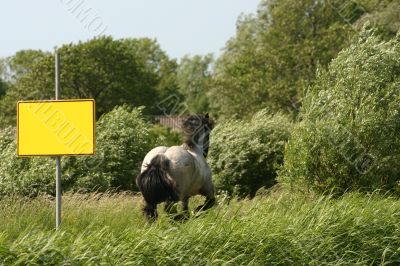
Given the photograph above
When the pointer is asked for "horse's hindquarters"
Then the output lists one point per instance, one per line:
(182, 170)
(150, 155)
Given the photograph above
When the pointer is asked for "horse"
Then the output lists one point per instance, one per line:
(172, 174)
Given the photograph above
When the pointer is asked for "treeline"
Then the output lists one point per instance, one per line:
(136, 72)
(305, 94)
(113, 72)
(268, 64)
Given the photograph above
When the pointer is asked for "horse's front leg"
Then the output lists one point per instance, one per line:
(184, 215)
(185, 205)
(171, 209)
(208, 203)
(208, 192)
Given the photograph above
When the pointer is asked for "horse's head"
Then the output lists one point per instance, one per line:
(196, 132)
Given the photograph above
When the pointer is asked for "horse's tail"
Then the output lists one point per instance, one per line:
(154, 183)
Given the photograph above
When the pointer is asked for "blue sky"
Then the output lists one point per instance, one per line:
(180, 26)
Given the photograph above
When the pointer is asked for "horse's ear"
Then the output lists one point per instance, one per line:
(207, 116)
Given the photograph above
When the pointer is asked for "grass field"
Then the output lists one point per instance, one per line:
(278, 228)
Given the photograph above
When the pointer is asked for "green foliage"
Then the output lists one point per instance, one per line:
(275, 54)
(194, 79)
(244, 155)
(14, 67)
(3, 88)
(281, 229)
(348, 134)
(113, 72)
(23, 176)
(165, 136)
(159, 67)
(383, 15)
(123, 139)
(23, 62)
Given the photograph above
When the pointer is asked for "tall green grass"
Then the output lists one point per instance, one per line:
(278, 228)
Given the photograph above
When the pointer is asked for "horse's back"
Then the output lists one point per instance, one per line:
(181, 162)
(179, 157)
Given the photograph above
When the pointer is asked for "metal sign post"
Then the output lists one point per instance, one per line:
(58, 158)
(56, 128)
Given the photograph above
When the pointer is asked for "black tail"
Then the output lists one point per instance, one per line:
(154, 184)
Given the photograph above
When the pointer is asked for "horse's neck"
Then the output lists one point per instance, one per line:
(198, 146)
(199, 161)
(193, 149)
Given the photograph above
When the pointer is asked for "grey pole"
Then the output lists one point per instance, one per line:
(58, 158)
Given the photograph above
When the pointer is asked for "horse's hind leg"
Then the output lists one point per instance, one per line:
(210, 202)
(150, 210)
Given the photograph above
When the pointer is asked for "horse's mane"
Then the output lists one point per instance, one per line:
(191, 127)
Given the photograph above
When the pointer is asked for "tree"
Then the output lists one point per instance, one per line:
(23, 62)
(194, 80)
(239, 75)
(347, 138)
(384, 15)
(159, 66)
(276, 52)
(113, 72)
(3, 88)
(3, 68)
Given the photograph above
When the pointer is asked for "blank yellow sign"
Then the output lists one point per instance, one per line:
(54, 128)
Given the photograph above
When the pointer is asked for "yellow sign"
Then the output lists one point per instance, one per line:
(53, 128)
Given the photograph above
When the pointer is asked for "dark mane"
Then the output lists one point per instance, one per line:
(192, 126)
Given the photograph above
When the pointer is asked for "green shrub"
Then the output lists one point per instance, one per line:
(244, 155)
(164, 136)
(23, 176)
(123, 140)
(348, 137)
